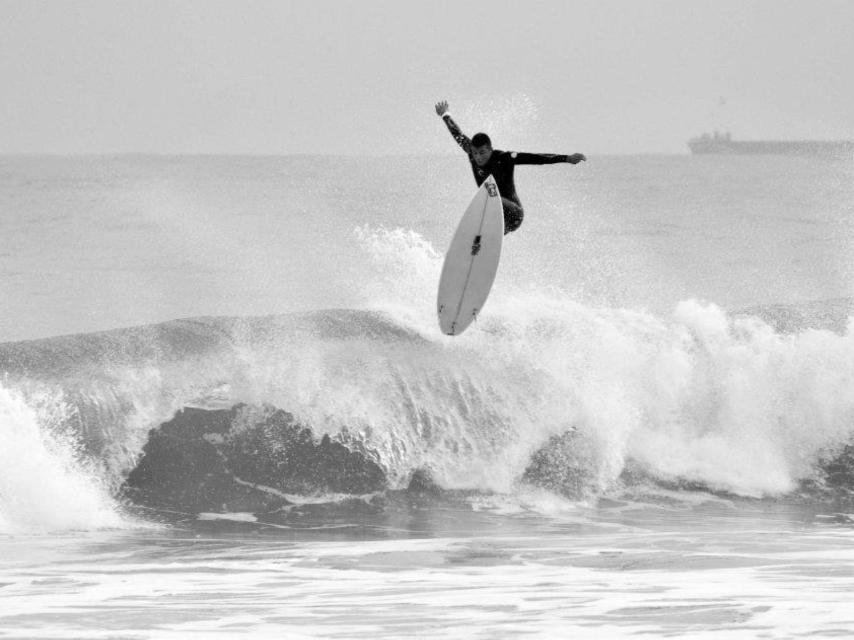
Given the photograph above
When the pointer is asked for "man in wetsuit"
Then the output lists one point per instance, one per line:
(486, 161)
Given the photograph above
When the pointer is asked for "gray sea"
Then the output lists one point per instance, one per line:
(226, 408)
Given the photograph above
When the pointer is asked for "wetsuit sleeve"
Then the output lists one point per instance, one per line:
(538, 158)
(461, 138)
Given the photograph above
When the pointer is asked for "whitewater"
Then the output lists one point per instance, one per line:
(226, 406)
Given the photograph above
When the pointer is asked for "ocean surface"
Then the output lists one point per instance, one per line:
(226, 408)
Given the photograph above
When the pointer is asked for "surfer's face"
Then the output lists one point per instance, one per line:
(481, 154)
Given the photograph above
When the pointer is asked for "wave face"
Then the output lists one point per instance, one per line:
(542, 389)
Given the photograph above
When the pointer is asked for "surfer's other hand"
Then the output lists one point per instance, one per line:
(575, 158)
(441, 108)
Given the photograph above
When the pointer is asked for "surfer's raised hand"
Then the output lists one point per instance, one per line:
(575, 158)
(441, 108)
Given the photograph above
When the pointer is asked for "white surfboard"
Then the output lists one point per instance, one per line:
(472, 260)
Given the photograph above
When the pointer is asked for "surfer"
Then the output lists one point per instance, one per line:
(486, 161)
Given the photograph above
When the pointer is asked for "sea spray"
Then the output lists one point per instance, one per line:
(405, 278)
(700, 395)
(46, 483)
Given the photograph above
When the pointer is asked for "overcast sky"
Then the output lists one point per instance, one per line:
(361, 77)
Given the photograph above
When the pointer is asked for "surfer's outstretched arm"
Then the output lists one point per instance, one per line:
(461, 138)
(547, 158)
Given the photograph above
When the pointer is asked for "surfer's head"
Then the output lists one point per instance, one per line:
(481, 148)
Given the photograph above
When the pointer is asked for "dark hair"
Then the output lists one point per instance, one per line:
(480, 139)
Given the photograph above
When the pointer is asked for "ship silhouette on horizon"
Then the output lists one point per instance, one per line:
(722, 143)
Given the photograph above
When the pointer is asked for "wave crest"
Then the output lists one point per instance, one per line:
(542, 389)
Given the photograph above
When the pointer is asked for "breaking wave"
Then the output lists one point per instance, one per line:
(214, 414)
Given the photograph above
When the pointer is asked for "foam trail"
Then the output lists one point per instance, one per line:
(44, 484)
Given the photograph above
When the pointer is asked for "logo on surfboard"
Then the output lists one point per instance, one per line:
(491, 189)
(475, 247)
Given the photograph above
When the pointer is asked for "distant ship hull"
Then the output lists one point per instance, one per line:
(821, 148)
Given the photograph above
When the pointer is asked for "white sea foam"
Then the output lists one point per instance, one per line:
(45, 483)
(699, 395)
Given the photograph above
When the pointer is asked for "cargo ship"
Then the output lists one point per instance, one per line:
(724, 144)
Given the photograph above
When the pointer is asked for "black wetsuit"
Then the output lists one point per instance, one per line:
(500, 166)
